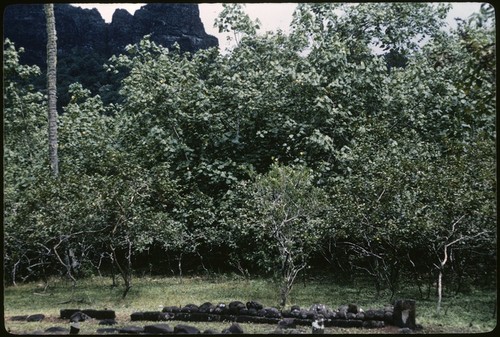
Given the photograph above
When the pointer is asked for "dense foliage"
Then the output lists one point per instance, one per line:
(289, 152)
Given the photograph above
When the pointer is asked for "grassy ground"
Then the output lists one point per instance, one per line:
(471, 313)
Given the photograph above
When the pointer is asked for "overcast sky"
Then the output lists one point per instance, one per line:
(272, 16)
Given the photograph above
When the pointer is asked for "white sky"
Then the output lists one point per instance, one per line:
(273, 16)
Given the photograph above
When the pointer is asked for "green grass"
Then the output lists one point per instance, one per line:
(471, 313)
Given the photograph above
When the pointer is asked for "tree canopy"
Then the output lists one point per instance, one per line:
(287, 153)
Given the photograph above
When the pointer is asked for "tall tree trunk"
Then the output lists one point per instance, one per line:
(51, 86)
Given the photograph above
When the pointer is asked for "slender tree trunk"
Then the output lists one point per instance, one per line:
(51, 86)
(440, 290)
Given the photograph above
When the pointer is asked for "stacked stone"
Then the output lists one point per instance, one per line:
(349, 315)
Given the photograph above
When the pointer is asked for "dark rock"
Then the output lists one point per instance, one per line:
(287, 323)
(373, 324)
(254, 305)
(158, 328)
(107, 330)
(318, 325)
(35, 318)
(404, 314)
(221, 309)
(379, 315)
(92, 313)
(200, 317)
(369, 314)
(262, 312)
(74, 328)
(235, 307)
(252, 312)
(172, 309)
(360, 315)
(107, 321)
(388, 317)
(210, 331)
(181, 328)
(66, 313)
(311, 315)
(190, 308)
(57, 330)
(206, 307)
(149, 316)
(342, 311)
(243, 311)
(183, 316)
(131, 329)
(405, 331)
(272, 312)
(100, 314)
(137, 316)
(354, 308)
(19, 318)
(235, 328)
(78, 317)
(320, 309)
(168, 23)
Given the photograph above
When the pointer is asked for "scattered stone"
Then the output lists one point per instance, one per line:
(181, 328)
(131, 329)
(235, 328)
(57, 330)
(74, 328)
(35, 318)
(19, 318)
(158, 328)
(210, 331)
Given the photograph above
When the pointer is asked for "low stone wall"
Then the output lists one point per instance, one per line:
(402, 314)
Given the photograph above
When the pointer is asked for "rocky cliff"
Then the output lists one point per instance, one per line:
(86, 31)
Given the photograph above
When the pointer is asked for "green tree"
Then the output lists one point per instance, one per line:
(284, 217)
